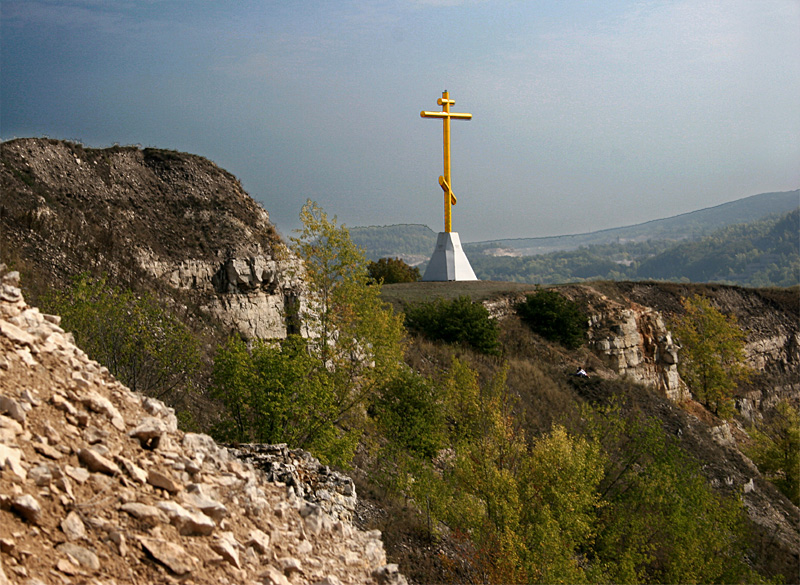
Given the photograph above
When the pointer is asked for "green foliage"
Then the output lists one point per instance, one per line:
(776, 449)
(554, 317)
(313, 393)
(280, 393)
(457, 321)
(661, 522)
(712, 354)
(409, 414)
(760, 253)
(619, 503)
(392, 270)
(142, 344)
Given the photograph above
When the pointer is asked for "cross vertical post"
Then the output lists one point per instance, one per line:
(445, 181)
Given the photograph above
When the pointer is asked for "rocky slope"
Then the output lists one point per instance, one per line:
(97, 484)
(152, 219)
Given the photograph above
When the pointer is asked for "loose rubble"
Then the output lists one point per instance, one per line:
(98, 485)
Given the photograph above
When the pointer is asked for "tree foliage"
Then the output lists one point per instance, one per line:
(554, 317)
(618, 503)
(312, 392)
(392, 270)
(712, 354)
(140, 342)
(776, 449)
(457, 321)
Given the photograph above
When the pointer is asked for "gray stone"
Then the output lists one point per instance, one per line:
(133, 470)
(169, 554)
(227, 547)
(84, 556)
(28, 507)
(11, 407)
(188, 523)
(72, 526)
(97, 463)
(259, 540)
(162, 480)
(144, 512)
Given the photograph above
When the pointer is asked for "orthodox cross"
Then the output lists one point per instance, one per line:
(444, 180)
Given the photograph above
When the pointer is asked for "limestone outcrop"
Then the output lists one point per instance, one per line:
(155, 220)
(98, 485)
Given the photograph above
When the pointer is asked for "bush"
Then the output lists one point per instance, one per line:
(555, 318)
(392, 270)
(142, 344)
(457, 321)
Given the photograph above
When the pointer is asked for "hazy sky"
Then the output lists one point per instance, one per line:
(586, 115)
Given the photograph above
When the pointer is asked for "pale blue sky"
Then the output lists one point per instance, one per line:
(586, 115)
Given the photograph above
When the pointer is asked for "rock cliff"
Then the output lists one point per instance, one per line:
(97, 484)
(152, 219)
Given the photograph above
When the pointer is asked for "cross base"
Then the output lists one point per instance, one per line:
(448, 261)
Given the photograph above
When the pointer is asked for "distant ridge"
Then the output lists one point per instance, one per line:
(415, 242)
(686, 226)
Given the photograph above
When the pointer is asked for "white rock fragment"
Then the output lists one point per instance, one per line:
(228, 548)
(28, 507)
(161, 480)
(144, 512)
(97, 463)
(72, 526)
(188, 523)
(169, 554)
(11, 458)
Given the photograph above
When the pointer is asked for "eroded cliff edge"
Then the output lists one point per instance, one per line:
(152, 219)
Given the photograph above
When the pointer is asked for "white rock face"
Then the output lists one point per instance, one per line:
(255, 295)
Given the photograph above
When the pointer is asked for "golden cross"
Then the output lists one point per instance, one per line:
(445, 181)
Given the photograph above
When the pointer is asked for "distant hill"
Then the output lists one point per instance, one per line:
(414, 243)
(758, 253)
(686, 226)
(411, 242)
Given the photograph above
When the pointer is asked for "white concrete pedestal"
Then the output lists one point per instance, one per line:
(449, 261)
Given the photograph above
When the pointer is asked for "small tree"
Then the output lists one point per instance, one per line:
(776, 449)
(146, 347)
(712, 354)
(313, 392)
(554, 317)
(392, 270)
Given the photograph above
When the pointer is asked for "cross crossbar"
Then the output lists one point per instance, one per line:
(445, 180)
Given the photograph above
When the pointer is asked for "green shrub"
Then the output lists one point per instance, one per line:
(555, 318)
(410, 414)
(140, 342)
(392, 270)
(458, 321)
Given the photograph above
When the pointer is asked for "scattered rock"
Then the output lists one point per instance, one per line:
(72, 526)
(83, 556)
(97, 463)
(169, 554)
(28, 507)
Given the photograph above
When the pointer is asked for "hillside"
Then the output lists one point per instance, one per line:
(686, 226)
(445, 452)
(97, 484)
(758, 253)
(412, 242)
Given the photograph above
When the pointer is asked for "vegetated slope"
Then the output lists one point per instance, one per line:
(624, 315)
(413, 241)
(759, 253)
(763, 253)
